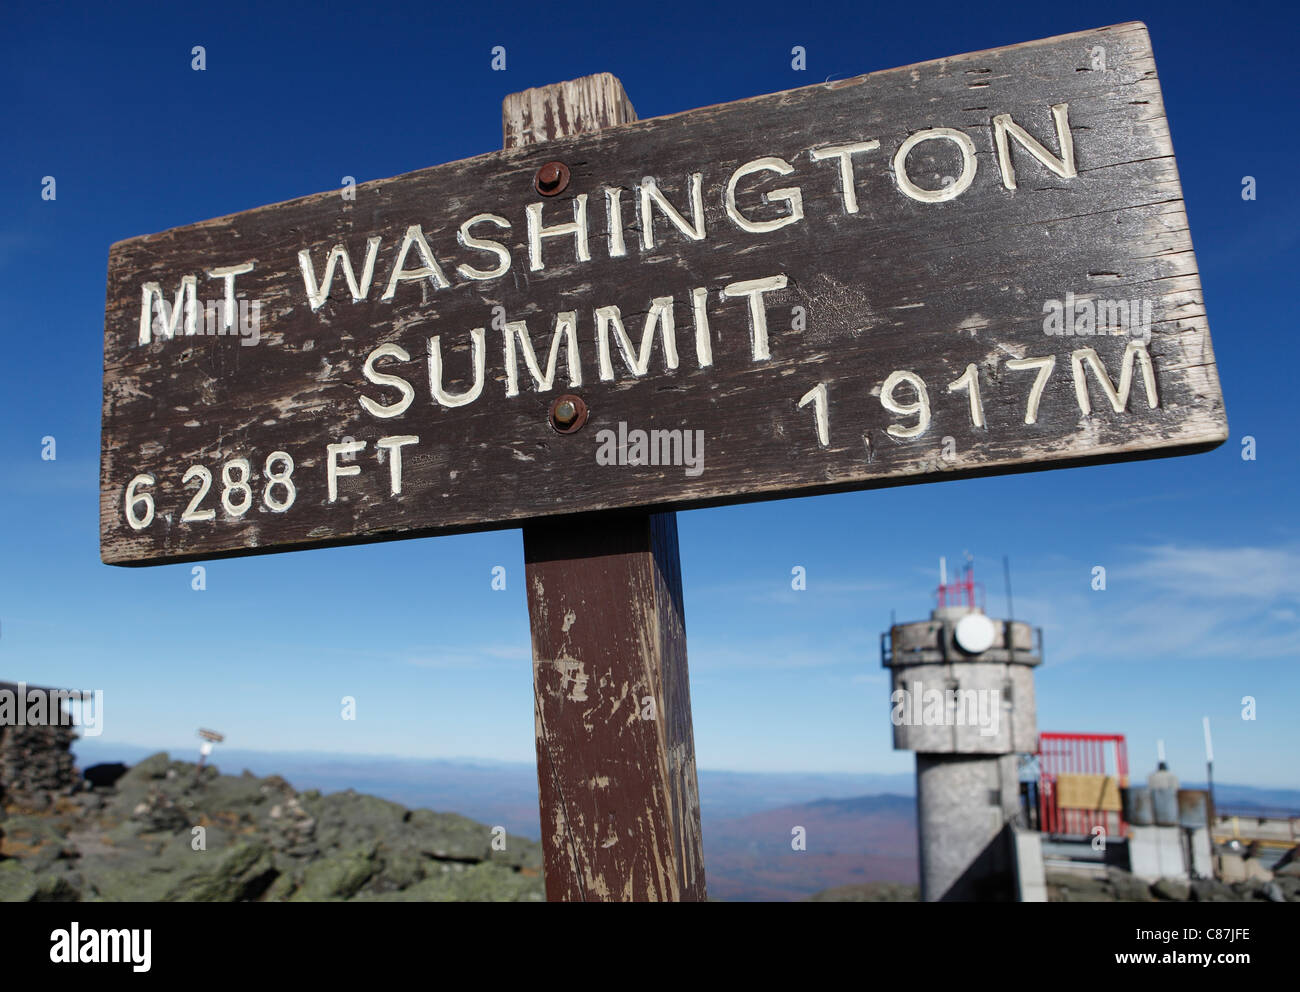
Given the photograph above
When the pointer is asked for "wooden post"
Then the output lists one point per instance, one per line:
(615, 749)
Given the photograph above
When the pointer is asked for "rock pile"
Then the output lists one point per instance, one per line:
(35, 761)
(170, 831)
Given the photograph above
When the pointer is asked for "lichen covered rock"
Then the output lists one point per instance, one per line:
(169, 831)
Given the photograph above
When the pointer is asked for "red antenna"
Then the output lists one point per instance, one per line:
(960, 592)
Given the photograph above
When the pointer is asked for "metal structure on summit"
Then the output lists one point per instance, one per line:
(1068, 760)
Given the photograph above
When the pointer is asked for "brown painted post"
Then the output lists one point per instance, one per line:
(615, 748)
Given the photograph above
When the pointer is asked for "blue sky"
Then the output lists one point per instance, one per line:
(1202, 604)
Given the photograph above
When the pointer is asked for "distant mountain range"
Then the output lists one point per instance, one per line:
(498, 792)
(856, 828)
(845, 842)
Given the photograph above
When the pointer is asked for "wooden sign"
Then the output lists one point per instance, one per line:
(969, 266)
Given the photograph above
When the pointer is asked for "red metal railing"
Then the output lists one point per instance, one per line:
(1079, 754)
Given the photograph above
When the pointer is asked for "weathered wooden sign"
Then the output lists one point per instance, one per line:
(974, 265)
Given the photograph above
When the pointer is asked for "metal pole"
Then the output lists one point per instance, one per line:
(1209, 759)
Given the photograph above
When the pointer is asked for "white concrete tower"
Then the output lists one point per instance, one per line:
(963, 700)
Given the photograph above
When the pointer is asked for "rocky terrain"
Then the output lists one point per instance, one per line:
(869, 892)
(1115, 886)
(1120, 886)
(169, 831)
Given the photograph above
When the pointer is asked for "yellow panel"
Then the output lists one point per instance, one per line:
(1096, 792)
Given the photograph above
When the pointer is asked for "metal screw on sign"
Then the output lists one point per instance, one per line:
(552, 179)
(568, 413)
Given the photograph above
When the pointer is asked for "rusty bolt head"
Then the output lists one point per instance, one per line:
(552, 179)
(568, 413)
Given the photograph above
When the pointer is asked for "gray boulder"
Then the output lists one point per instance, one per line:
(336, 877)
(1212, 890)
(18, 883)
(1175, 889)
(1128, 887)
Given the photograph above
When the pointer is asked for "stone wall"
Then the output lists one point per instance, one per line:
(35, 762)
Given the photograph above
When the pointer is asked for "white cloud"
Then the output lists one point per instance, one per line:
(1261, 574)
(1179, 603)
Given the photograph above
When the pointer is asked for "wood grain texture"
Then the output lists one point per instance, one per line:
(616, 775)
(615, 747)
(565, 110)
(900, 285)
